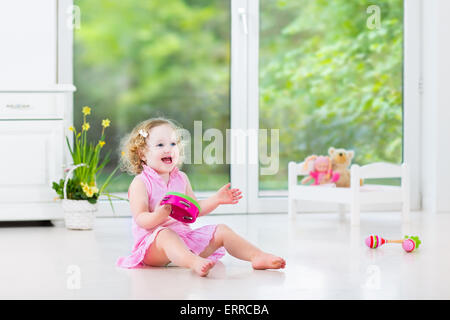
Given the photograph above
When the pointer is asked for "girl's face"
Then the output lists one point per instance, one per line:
(162, 152)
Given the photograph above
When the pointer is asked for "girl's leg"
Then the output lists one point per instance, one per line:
(240, 248)
(168, 247)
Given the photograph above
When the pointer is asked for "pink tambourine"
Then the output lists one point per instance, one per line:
(184, 208)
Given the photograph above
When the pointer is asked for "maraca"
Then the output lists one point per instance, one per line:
(409, 243)
(184, 208)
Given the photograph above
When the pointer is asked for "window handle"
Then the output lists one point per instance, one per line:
(243, 15)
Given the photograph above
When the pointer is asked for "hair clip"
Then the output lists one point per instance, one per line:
(143, 133)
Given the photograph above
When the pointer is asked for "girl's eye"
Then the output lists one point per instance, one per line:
(159, 145)
(173, 144)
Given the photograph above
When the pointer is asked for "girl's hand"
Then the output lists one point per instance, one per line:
(225, 195)
(164, 210)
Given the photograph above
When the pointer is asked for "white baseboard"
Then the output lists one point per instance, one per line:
(31, 211)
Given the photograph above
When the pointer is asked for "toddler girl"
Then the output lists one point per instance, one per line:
(153, 152)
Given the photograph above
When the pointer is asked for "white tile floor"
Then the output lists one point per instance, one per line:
(326, 259)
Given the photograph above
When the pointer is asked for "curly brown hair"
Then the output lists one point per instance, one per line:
(134, 144)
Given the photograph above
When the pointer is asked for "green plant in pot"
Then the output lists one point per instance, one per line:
(80, 192)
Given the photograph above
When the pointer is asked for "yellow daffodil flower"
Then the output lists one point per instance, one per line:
(71, 128)
(101, 143)
(85, 188)
(86, 110)
(85, 126)
(106, 123)
(89, 191)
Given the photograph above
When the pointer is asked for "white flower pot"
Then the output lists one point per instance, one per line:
(79, 214)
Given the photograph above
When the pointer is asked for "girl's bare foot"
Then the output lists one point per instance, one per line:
(267, 261)
(202, 266)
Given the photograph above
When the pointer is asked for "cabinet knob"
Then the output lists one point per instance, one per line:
(18, 106)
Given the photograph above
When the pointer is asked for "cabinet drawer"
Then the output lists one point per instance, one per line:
(31, 159)
(32, 105)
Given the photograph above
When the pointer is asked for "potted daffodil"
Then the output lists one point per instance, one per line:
(79, 191)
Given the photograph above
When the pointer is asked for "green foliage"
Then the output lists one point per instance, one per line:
(138, 59)
(325, 78)
(88, 162)
(74, 190)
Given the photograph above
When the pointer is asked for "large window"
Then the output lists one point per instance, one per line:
(330, 75)
(136, 59)
(321, 73)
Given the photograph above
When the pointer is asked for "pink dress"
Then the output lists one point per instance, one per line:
(319, 176)
(196, 239)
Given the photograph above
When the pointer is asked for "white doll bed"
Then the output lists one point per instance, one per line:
(355, 195)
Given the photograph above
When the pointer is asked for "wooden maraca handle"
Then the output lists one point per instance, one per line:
(395, 241)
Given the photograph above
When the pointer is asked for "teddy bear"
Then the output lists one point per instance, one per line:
(340, 163)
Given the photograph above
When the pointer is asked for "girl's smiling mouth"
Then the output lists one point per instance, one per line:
(167, 160)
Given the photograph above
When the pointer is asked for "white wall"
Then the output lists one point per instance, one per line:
(435, 180)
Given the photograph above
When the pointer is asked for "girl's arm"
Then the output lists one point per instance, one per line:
(207, 205)
(225, 195)
(139, 206)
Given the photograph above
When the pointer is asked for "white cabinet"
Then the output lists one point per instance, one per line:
(33, 126)
(35, 108)
(28, 42)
